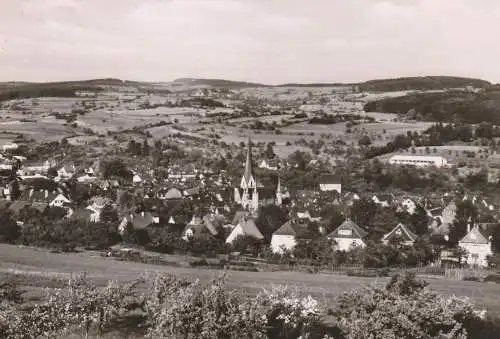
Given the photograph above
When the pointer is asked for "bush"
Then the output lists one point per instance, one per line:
(404, 309)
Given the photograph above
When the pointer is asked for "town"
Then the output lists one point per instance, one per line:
(384, 192)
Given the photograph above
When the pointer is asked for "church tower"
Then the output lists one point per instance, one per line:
(249, 197)
(279, 197)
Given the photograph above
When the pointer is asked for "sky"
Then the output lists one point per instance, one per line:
(266, 41)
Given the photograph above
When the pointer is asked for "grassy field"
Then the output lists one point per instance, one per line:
(40, 267)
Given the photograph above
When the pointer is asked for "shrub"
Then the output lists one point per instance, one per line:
(404, 309)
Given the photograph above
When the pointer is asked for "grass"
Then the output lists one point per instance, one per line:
(38, 268)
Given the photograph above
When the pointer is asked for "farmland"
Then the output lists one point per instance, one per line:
(40, 265)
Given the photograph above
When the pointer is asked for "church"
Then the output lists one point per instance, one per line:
(251, 193)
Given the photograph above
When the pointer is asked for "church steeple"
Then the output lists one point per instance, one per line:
(247, 175)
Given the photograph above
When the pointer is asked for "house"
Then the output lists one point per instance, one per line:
(136, 179)
(350, 197)
(82, 214)
(138, 221)
(418, 160)
(59, 201)
(65, 172)
(198, 226)
(270, 164)
(171, 194)
(347, 236)
(246, 227)
(87, 179)
(306, 215)
(408, 205)
(288, 235)
(401, 234)
(330, 182)
(384, 200)
(477, 243)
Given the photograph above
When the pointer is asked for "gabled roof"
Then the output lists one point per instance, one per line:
(404, 229)
(479, 234)
(330, 179)
(295, 229)
(249, 228)
(356, 231)
(238, 216)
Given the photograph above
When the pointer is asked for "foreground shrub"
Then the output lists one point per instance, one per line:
(404, 309)
(81, 306)
(178, 309)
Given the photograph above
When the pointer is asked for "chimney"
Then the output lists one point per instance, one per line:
(46, 193)
(142, 214)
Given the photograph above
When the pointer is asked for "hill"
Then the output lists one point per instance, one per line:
(218, 83)
(421, 83)
(451, 106)
(319, 84)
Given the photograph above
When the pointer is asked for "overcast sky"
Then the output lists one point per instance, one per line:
(269, 41)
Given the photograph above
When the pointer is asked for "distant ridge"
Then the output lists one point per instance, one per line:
(421, 83)
(320, 84)
(218, 83)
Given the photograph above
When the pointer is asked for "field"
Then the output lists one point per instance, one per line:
(39, 266)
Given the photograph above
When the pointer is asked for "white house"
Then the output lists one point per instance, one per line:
(402, 234)
(270, 164)
(347, 236)
(384, 200)
(65, 172)
(10, 146)
(59, 201)
(136, 179)
(477, 243)
(287, 236)
(330, 182)
(245, 227)
(418, 160)
(409, 205)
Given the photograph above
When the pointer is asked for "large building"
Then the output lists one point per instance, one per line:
(418, 160)
(251, 193)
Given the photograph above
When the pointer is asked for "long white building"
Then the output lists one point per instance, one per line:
(418, 160)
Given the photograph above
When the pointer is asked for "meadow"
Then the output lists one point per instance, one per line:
(38, 268)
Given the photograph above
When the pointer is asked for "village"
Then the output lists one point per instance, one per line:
(241, 205)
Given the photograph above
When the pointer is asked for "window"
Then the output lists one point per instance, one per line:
(345, 232)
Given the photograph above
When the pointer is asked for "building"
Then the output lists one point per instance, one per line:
(347, 236)
(384, 200)
(330, 182)
(288, 236)
(251, 193)
(400, 234)
(418, 160)
(477, 243)
(245, 227)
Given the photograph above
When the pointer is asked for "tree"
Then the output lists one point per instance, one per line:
(269, 151)
(15, 191)
(52, 172)
(365, 141)
(270, 218)
(116, 168)
(109, 214)
(9, 231)
(362, 212)
(383, 222)
(466, 213)
(419, 220)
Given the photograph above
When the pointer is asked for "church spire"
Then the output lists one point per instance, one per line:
(248, 165)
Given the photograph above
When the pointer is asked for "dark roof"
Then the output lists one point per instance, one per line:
(296, 229)
(140, 221)
(411, 236)
(238, 216)
(356, 231)
(330, 179)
